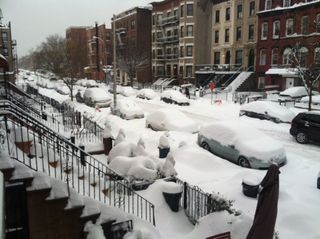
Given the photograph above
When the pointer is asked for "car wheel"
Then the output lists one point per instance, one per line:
(206, 146)
(302, 137)
(243, 162)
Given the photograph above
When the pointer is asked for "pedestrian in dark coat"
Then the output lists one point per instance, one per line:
(187, 93)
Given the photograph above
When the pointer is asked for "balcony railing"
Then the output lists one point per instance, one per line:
(217, 67)
(168, 39)
(168, 20)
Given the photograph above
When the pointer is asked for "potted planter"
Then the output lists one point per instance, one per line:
(172, 193)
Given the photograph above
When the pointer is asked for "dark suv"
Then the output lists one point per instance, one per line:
(305, 127)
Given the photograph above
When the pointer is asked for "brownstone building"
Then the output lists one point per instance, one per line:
(78, 46)
(99, 42)
(284, 24)
(8, 49)
(133, 40)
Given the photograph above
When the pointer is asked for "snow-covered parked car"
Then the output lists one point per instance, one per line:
(63, 90)
(294, 93)
(148, 94)
(267, 110)
(173, 96)
(96, 97)
(126, 91)
(241, 144)
(304, 102)
(128, 109)
(166, 119)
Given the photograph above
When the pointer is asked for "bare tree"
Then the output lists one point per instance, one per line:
(310, 75)
(131, 59)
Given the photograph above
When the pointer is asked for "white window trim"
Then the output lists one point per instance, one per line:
(287, 20)
(273, 30)
(262, 31)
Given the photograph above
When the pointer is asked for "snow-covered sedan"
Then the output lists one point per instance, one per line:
(170, 119)
(128, 109)
(241, 144)
(267, 110)
(126, 91)
(173, 96)
(96, 97)
(148, 94)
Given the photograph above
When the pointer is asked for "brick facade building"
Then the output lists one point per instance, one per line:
(77, 44)
(133, 37)
(285, 26)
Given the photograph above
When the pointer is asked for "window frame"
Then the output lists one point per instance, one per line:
(227, 35)
(189, 10)
(275, 56)
(217, 16)
(239, 33)
(189, 49)
(239, 11)
(187, 28)
(216, 36)
(227, 15)
(251, 32)
(304, 25)
(268, 5)
(274, 35)
(262, 57)
(252, 10)
(288, 21)
(264, 31)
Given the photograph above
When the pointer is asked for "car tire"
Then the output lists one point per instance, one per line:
(206, 146)
(243, 162)
(302, 137)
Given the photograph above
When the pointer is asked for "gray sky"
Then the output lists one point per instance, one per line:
(33, 20)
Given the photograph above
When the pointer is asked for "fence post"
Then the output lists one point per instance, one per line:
(153, 217)
(95, 128)
(82, 156)
(185, 188)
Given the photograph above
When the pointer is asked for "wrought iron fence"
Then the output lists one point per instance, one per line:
(42, 149)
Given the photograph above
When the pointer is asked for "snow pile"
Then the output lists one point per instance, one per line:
(21, 171)
(167, 169)
(97, 95)
(53, 94)
(129, 109)
(94, 231)
(40, 181)
(221, 222)
(135, 168)
(126, 91)
(59, 189)
(315, 99)
(147, 94)
(164, 141)
(125, 148)
(171, 187)
(175, 96)
(121, 137)
(75, 200)
(5, 160)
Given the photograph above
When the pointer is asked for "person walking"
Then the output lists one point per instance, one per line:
(187, 93)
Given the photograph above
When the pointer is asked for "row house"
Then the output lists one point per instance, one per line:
(234, 27)
(133, 45)
(8, 49)
(90, 49)
(99, 44)
(76, 38)
(286, 26)
(180, 38)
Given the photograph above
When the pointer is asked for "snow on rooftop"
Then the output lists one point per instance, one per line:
(292, 7)
(282, 71)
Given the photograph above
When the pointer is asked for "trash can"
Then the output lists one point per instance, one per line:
(173, 200)
(163, 152)
(249, 189)
(107, 145)
(172, 193)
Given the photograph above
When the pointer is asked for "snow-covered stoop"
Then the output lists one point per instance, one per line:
(56, 212)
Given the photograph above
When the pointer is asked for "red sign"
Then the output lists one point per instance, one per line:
(212, 85)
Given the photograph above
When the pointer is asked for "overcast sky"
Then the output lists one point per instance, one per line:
(33, 20)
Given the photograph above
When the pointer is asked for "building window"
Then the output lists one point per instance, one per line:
(287, 56)
(228, 14)
(153, 19)
(133, 24)
(189, 50)
(263, 57)
(189, 30)
(5, 51)
(276, 29)
(274, 56)
(286, 3)
(159, 52)
(226, 35)
(317, 57)
(153, 54)
(268, 4)
(175, 14)
(264, 31)
(216, 59)
(217, 16)
(153, 37)
(175, 32)
(181, 10)
(239, 11)
(318, 23)
(189, 9)
(216, 37)
(181, 31)
(188, 71)
(289, 26)
(239, 57)
(251, 32)
(4, 36)
(181, 70)
(261, 82)
(304, 25)
(181, 51)
(252, 8)
(303, 54)
(238, 34)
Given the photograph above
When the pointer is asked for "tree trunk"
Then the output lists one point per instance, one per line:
(310, 98)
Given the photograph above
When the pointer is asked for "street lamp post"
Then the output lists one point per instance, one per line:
(114, 67)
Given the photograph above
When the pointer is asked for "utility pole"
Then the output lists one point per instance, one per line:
(114, 67)
(97, 50)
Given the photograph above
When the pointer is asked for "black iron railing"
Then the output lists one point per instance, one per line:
(42, 149)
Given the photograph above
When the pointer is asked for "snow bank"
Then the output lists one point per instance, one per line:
(297, 91)
(164, 141)
(220, 222)
(59, 189)
(94, 231)
(40, 181)
(124, 148)
(74, 200)
(21, 171)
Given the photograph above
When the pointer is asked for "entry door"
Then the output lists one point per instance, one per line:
(289, 82)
